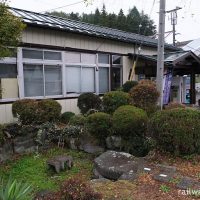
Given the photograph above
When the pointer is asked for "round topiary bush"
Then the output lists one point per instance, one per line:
(50, 110)
(99, 124)
(176, 130)
(126, 87)
(66, 116)
(115, 99)
(77, 120)
(131, 124)
(87, 101)
(26, 110)
(145, 96)
(30, 111)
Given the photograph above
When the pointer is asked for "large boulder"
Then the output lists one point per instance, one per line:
(118, 165)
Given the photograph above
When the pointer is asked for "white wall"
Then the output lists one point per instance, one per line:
(64, 39)
(7, 117)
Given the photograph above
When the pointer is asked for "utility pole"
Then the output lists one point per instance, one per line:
(174, 17)
(161, 45)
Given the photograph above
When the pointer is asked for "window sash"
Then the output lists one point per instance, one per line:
(38, 83)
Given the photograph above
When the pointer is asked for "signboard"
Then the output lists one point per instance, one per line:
(167, 86)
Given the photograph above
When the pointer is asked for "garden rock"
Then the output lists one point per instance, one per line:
(185, 183)
(117, 165)
(92, 148)
(25, 144)
(165, 174)
(6, 151)
(65, 161)
(113, 142)
(90, 145)
(59, 163)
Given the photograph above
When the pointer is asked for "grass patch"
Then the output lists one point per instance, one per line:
(33, 169)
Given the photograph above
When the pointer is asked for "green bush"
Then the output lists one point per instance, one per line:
(145, 96)
(50, 110)
(177, 130)
(113, 100)
(66, 116)
(99, 124)
(126, 87)
(77, 120)
(26, 110)
(131, 124)
(87, 101)
(31, 111)
(20, 105)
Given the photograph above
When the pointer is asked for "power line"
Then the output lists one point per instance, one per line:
(63, 6)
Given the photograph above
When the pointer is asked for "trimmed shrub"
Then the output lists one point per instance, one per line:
(31, 111)
(177, 130)
(77, 189)
(50, 110)
(20, 105)
(131, 124)
(26, 110)
(87, 101)
(145, 96)
(173, 105)
(113, 100)
(77, 120)
(126, 87)
(66, 116)
(99, 124)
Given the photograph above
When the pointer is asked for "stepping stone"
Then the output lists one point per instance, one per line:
(163, 177)
(186, 183)
(165, 174)
(167, 169)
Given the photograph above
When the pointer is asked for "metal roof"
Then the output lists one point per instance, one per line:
(49, 21)
(171, 58)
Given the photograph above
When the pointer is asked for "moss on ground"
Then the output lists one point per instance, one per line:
(32, 169)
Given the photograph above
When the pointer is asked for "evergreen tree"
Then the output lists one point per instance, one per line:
(134, 21)
(74, 16)
(121, 20)
(112, 20)
(104, 17)
(97, 16)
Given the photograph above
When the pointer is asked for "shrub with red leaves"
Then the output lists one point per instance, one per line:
(145, 96)
(77, 189)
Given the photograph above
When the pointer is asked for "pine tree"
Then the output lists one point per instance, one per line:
(104, 16)
(97, 16)
(133, 20)
(121, 20)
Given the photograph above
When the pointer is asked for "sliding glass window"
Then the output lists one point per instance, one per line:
(42, 80)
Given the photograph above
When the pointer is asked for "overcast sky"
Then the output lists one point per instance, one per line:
(188, 27)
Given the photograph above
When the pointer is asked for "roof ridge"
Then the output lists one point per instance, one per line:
(96, 25)
(52, 21)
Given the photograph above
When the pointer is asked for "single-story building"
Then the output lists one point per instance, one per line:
(60, 59)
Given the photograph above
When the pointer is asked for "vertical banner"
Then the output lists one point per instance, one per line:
(167, 86)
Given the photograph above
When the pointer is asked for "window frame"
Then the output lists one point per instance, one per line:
(11, 61)
(20, 62)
